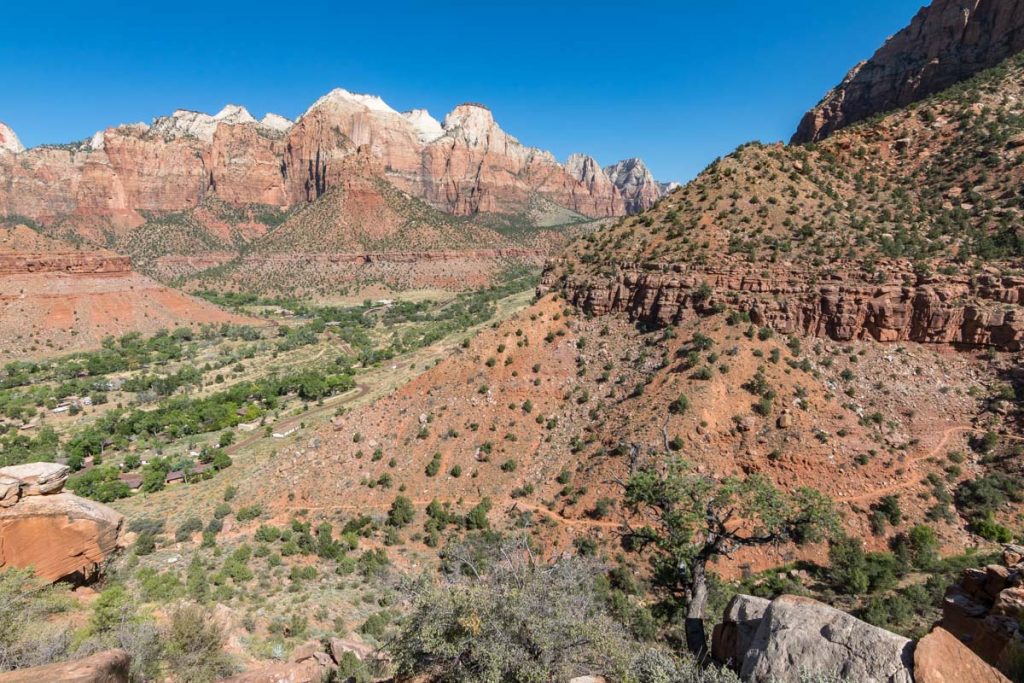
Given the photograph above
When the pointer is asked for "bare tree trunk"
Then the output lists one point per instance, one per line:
(696, 639)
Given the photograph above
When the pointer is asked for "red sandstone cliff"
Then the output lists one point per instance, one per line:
(901, 306)
(945, 43)
(466, 166)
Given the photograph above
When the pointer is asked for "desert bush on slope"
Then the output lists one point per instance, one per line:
(507, 616)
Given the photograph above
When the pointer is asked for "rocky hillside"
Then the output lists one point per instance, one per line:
(948, 41)
(59, 297)
(906, 228)
(467, 165)
(362, 229)
(543, 415)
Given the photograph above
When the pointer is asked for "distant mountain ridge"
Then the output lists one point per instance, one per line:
(464, 166)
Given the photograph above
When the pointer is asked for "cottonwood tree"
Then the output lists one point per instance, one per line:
(690, 519)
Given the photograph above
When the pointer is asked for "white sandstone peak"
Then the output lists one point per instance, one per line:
(234, 114)
(276, 122)
(200, 125)
(629, 170)
(9, 142)
(472, 122)
(339, 97)
(97, 140)
(427, 128)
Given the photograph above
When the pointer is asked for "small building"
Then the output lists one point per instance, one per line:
(175, 477)
(134, 481)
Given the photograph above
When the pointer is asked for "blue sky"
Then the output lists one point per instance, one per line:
(676, 83)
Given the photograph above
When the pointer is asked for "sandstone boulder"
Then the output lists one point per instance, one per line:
(109, 666)
(730, 640)
(799, 635)
(37, 478)
(60, 535)
(940, 658)
(10, 491)
(985, 610)
(312, 650)
(1013, 554)
(355, 645)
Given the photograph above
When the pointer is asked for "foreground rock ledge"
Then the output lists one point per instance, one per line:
(941, 658)
(798, 635)
(109, 666)
(58, 534)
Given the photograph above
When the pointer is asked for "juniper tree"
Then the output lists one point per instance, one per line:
(690, 519)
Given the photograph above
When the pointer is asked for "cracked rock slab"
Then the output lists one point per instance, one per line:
(37, 478)
(803, 636)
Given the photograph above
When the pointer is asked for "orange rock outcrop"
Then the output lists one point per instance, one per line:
(58, 534)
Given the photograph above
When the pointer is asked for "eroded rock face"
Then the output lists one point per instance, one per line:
(798, 635)
(596, 183)
(985, 610)
(59, 535)
(109, 666)
(70, 262)
(945, 43)
(940, 658)
(636, 183)
(731, 639)
(467, 165)
(9, 142)
(899, 306)
(37, 478)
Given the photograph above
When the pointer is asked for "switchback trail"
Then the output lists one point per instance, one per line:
(911, 477)
(540, 509)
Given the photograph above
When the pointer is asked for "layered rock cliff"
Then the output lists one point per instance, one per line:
(945, 43)
(985, 610)
(901, 307)
(73, 298)
(68, 262)
(466, 166)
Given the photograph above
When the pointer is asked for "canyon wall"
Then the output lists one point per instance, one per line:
(902, 306)
(946, 42)
(465, 166)
(79, 263)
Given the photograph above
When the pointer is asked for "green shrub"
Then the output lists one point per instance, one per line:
(249, 513)
(680, 405)
(401, 513)
(194, 646)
